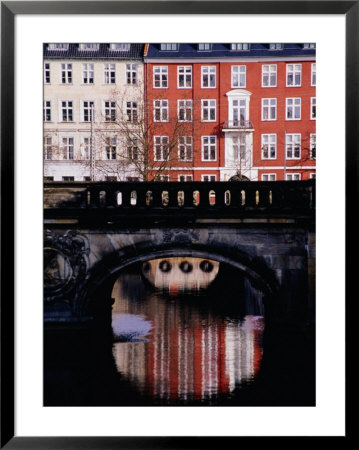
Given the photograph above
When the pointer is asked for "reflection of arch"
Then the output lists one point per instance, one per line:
(104, 274)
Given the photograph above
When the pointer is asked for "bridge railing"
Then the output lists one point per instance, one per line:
(165, 196)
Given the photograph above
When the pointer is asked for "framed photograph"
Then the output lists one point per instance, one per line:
(168, 229)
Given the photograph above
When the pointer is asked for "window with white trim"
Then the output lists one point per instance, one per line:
(275, 46)
(293, 108)
(111, 148)
(163, 178)
(170, 47)
(314, 75)
(292, 176)
(48, 147)
(68, 178)
(208, 76)
(185, 148)
(161, 148)
(269, 75)
(86, 148)
(68, 147)
(269, 177)
(110, 111)
(47, 77)
(208, 177)
(160, 110)
(132, 150)
(47, 111)
(58, 46)
(239, 76)
(184, 77)
(204, 47)
(269, 109)
(88, 46)
(120, 47)
(185, 178)
(88, 111)
(209, 148)
(131, 111)
(87, 73)
(240, 47)
(184, 110)
(292, 146)
(66, 73)
(67, 111)
(131, 73)
(160, 77)
(110, 73)
(294, 75)
(312, 176)
(269, 146)
(313, 108)
(209, 108)
(309, 45)
(239, 148)
(313, 146)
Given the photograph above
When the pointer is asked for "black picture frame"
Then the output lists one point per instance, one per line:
(9, 10)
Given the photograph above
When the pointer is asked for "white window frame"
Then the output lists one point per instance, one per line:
(88, 73)
(313, 76)
(162, 142)
(239, 76)
(68, 148)
(188, 178)
(160, 76)
(184, 72)
(161, 110)
(87, 46)
(313, 108)
(204, 176)
(87, 109)
(48, 147)
(110, 73)
(47, 111)
(241, 47)
(207, 72)
(66, 73)
(185, 147)
(132, 111)
(170, 47)
(185, 110)
(204, 47)
(110, 107)
(239, 147)
(47, 73)
(58, 46)
(292, 103)
(293, 70)
(132, 150)
(270, 71)
(269, 107)
(85, 148)
(121, 47)
(308, 46)
(276, 46)
(268, 175)
(66, 109)
(292, 140)
(291, 176)
(131, 73)
(207, 143)
(313, 144)
(110, 148)
(312, 175)
(208, 106)
(268, 146)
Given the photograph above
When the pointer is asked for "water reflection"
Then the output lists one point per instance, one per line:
(183, 348)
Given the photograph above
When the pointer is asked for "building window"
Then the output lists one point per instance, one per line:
(170, 47)
(292, 176)
(163, 178)
(309, 45)
(269, 75)
(48, 147)
(131, 111)
(312, 175)
(160, 77)
(313, 146)
(87, 178)
(68, 147)
(47, 111)
(110, 178)
(293, 108)
(185, 148)
(292, 146)
(67, 111)
(275, 46)
(120, 47)
(208, 177)
(131, 73)
(313, 108)
(47, 179)
(239, 148)
(66, 73)
(184, 74)
(314, 75)
(238, 76)
(47, 78)
(86, 148)
(240, 47)
(269, 109)
(87, 111)
(68, 178)
(185, 178)
(111, 147)
(110, 73)
(87, 46)
(88, 73)
(269, 177)
(209, 148)
(208, 76)
(204, 47)
(160, 110)
(185, 110)
(57, 46)
(209, 108)
(294, 75)
(110, 111)
(161, 148)
(269, 146)
(132, 150)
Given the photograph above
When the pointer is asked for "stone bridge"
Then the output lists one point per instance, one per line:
(94, 230)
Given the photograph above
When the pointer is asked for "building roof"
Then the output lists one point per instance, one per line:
(224, 51)
(104, 52)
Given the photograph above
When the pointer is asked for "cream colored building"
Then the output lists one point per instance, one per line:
(92, 93)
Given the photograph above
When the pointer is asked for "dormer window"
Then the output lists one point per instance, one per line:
(120, 47)
(309, 46)
(204, 47)
(58, 46)
(88, 46)
(240, 47)
(169, 47)
(275, 46)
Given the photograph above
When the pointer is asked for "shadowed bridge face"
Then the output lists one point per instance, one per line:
(94, 230)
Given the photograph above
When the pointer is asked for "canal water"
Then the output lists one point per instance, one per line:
(183, 332)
